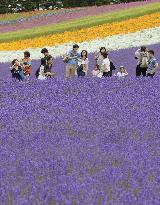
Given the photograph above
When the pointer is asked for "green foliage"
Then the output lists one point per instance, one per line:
(28, 5)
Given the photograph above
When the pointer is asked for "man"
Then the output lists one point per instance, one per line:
(71, 59)
(45, 52)
(142, 61)
(152, 65)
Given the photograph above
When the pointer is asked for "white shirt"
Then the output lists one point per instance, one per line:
(121, 75)
(41, 73)
(83, 62)
(105, 65)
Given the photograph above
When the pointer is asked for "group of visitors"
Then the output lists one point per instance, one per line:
(77, 64)
(22, 69)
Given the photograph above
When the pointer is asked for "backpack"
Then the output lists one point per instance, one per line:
(112, 66)
(80, 68)
(37, 72)
(144, 60)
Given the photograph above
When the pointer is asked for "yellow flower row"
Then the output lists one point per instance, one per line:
(86, 34)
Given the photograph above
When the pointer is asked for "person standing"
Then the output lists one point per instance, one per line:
(27, 63)
(98, 56)
(105, 67)
(152, 64)
(142, 61)
(45, 52)
(71, 60)
(83, 64)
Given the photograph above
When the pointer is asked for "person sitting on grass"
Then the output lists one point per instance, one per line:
(152, 64)
(122, 72)
(17, 70)
(27, 64)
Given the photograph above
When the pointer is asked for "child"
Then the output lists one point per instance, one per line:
(96, 72)
(122, 72)
(17, 70)
(27, 64)
(41, 73)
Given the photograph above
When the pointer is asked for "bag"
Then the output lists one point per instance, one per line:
(37, 72)
(65, 60)
(80, 68)
(112, 66)
(144, 61)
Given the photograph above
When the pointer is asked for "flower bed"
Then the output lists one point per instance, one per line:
(83, 141)
(78, 143)
(29, 20)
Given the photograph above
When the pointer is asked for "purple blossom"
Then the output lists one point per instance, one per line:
(82, 141)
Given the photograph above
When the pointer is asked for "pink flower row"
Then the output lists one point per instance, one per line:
(71, 15)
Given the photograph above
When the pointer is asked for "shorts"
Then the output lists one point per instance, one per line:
(70, 70)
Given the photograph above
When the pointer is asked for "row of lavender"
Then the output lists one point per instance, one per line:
(91, 142)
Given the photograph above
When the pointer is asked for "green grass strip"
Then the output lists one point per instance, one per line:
(84, 22)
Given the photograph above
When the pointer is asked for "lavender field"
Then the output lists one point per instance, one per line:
(84, 141)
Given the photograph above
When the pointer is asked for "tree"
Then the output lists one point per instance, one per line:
(27, 5)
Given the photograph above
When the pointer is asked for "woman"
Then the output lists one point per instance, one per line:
(27, 62)
(99, 57)
(49, 64)
(45, 70)
(83, 64)
(105, 67)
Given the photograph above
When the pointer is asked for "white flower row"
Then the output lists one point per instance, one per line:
(116, 42)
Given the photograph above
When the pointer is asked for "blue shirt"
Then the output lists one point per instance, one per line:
(152, 64)
(77, 55)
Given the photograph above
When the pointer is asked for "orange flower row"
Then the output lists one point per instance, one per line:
(87, 34)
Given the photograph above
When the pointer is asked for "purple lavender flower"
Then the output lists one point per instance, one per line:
(82, 141)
